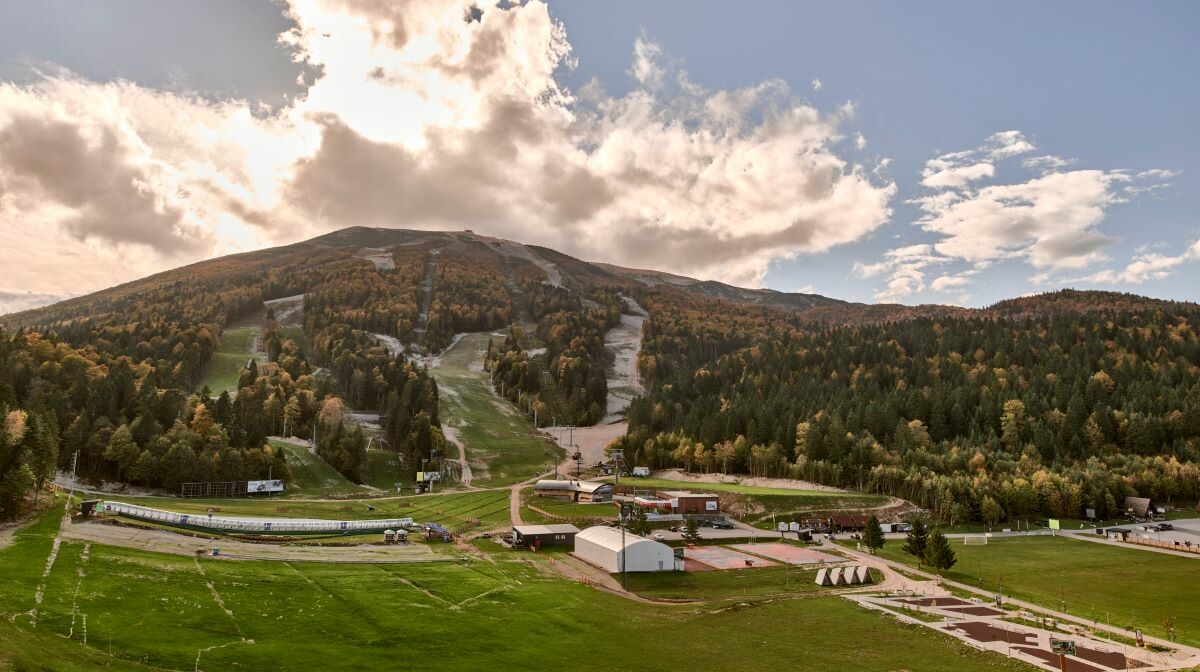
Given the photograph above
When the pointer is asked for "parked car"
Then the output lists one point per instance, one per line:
(659, 536)
(1164, 527)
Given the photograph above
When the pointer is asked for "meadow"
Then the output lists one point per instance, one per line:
(111, 608)
(221, 375)
(1125, 587)
(501, 444)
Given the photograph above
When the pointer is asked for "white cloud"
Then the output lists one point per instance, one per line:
(1147, 266)
(1051, 220)
(1046, 163)
(816, 84)
(946, 283)
(957, 176)
(425, 116)
(905, 269)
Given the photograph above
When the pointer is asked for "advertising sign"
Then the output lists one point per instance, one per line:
(1054, 524)
(275, 485)
(710, 506)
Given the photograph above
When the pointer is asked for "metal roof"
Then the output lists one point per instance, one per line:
(571, 486)
(561, 528)
(686, 493)
(610, 537)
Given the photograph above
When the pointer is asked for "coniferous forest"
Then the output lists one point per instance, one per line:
(1036, 407)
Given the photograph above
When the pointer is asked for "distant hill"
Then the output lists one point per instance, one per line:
(573, 274)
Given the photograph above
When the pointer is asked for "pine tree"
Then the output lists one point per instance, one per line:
(873, 535)
(938, 553)
(691, 532)
(638, 523)
(917, 540)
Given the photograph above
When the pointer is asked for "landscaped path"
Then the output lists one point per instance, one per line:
(1187, 656)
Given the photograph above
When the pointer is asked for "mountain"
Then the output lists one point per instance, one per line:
(556, 268)
(1038, 405)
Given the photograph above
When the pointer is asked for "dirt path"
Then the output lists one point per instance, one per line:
(464, 467)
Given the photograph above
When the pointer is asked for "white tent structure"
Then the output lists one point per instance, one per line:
(602, 547)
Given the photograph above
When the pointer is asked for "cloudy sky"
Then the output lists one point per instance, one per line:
(940, 152)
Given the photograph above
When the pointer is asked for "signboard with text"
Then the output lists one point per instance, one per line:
(274, 485)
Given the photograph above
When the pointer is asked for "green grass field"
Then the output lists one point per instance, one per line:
(1125, 587)
(110, 608)
(502, 446)
(563, 508)
(385, 470)
(723, 584)
(312, 477)
(222, 372)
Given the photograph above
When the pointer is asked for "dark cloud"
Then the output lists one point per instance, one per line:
(110, 197)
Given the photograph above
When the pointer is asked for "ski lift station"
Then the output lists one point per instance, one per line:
(604, 547)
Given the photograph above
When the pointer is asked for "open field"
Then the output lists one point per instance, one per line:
(723, 584)
(103, 607)
(311, 476)
(222, 372)
(385, 470)
(502, 446)
(1125, 587)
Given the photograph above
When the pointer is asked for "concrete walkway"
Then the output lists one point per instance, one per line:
(1181, 657)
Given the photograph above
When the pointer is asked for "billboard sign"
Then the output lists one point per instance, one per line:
(1055, 524)
(710, 505)
(275, 485)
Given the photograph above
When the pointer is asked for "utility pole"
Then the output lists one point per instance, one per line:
(624, 549)
(618, 456)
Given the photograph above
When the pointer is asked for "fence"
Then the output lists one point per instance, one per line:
(224, 524)
(1180, 546)
(578, 521)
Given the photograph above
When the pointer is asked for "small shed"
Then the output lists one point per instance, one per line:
(685, 502)
(538, 536)
(848, 523)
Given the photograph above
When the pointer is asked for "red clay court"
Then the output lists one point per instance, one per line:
(723, 558)
(793, 555)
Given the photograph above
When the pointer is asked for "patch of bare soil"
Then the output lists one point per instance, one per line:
(755, 481)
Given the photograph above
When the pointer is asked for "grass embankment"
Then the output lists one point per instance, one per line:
(502, 445)
(312, 476)
(1125, 587)
(115, 608)
(222, 372)
(581, 512)
(762, 506)
(451, 509)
